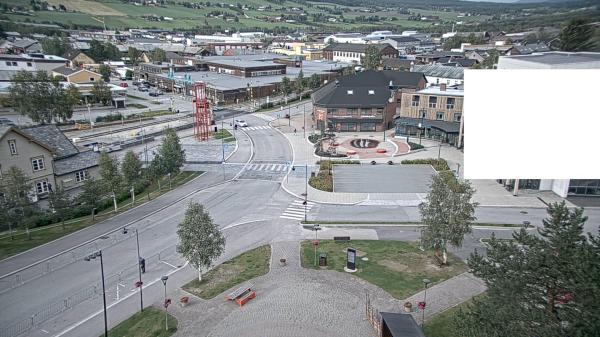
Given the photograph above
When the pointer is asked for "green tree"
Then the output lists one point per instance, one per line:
(101, 92)
(60, 203)
(133, 54)
(539, 284)
(300, 84)
(42, 98)
(372, 58)
(200, 240)
(314, 81)
(109, 171)
(92, 194)
(447, 213)
(104, 51)
(56, 46)
(286, 86)
(170, 156)
(19, 208)
(131, 168)
(104, 70)
(128, 74)
(576, 35)
(492, 59)
(159, 55)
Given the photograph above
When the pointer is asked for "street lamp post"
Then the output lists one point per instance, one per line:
(164, 281)
(316, 228)
(426, 283)
(139, 259)
(422, 125)
(88, 258)
(304, 126)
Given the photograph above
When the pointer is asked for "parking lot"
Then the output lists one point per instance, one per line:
(382, 178)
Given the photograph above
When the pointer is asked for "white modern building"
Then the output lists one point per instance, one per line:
(30, 62)
(345, 38)
(551, 60)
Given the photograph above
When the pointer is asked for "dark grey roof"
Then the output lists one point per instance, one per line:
(54, 138)
(78, 162)
(450, 61)
(532, 48)
(3, 130)
(405, 39)
(65, 70)
(401, 325)
(355, 47)
(448, 127)
(437, 70)
(443, 53)
(335, 94)
(396, 63)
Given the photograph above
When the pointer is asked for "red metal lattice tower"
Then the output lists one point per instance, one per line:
(201, 112)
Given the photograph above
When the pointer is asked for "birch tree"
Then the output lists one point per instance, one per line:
(200, 240)
(447, 213)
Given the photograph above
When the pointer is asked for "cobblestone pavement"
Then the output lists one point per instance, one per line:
(291, 301)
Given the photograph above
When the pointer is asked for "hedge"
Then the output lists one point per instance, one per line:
(438, 164)
(415, 146)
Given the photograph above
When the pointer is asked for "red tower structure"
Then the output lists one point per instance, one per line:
(201, 112)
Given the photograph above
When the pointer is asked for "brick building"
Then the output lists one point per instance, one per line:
(365, 101)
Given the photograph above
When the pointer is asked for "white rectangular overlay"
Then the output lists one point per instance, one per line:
(532, 124)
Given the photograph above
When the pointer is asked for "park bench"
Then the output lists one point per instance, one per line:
(341, 238)
(242, 294)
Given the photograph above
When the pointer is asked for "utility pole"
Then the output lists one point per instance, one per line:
(304, 127)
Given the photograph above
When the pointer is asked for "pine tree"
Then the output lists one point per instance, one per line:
(538, 285)
(200, 240)
(447, 213)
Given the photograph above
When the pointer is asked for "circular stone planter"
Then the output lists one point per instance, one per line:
(381, 150)
(362, 143)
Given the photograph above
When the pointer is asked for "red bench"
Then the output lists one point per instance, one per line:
(241, 295)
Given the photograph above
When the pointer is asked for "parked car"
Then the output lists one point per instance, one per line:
(142, 88)
(241, 123)
(124, 85)
(153, 93)
(216, 108)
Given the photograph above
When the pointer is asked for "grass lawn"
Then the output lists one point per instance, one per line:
(441, 324)
(149, 323)
(137, 97)
(157, 113)
(45, 234)
(241, 268)
(225, 135)
(397, 267)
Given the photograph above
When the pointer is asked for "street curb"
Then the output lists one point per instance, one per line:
(289, 171)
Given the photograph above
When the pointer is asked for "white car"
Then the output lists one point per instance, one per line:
(241, 123)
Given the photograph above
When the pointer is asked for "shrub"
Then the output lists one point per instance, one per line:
(109, 118)
(438, 165)
(415, 146)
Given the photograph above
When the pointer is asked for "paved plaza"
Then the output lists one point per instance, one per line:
(382, 178)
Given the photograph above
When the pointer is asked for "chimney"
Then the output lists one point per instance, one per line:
(443, 87)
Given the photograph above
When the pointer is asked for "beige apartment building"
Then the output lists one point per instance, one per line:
(47, 157)
(434, 112)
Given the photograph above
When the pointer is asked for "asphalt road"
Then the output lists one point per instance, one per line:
(252, 197)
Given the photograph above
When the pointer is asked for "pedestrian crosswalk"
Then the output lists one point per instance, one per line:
(265, 117)
(260, 127)
(267, 167)
(296, 210)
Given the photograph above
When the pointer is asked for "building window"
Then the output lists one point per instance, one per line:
(432, 102)
(352, 111)
(29, 64)
(41, 187)
(439, 116)
(450, 103)
(81, 176)
(8, 63)
(457, 117)
(415, 100)
(380, 111)
(92, 79)
(584, 187)
(37, 163)
(371, 92)
(350, 92)
(331, 111)
(12, 144)
(365, 111)
(367, 127)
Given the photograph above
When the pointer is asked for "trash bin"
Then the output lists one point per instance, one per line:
(322, 260)
(312, 174)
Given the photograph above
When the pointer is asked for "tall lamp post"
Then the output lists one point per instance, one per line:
(88, 258)
(316, 228)
(426, 282)
(139, 259)
(422, 125)
(164, 281)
